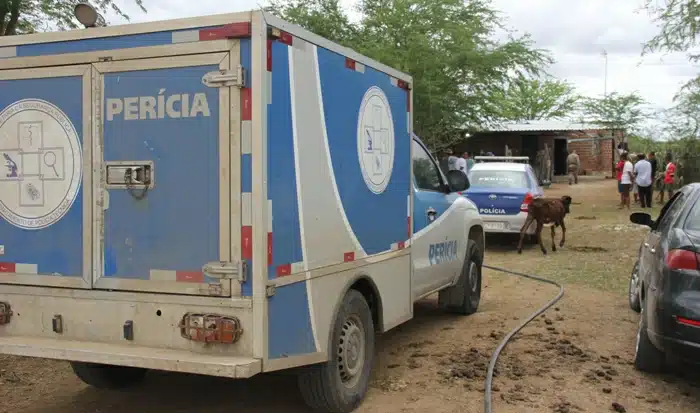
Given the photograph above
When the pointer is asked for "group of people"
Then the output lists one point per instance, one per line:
(639, 174)
(451, 162)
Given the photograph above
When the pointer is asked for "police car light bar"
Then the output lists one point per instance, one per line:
(502, 159)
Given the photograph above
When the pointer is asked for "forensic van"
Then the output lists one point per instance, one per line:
(225, 195)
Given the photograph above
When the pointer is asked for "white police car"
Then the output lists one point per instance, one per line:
(502, 192)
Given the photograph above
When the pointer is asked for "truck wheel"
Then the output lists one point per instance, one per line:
(647, 357)
(634, 292)
(104, 376)
(340, 384)
(464, 297)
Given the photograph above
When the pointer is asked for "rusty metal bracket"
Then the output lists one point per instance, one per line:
(5, 313)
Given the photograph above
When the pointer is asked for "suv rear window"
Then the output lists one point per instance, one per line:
(498, 179)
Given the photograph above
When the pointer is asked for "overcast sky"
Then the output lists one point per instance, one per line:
(576, 31)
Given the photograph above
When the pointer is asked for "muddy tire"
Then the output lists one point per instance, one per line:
(103, 376)
(647, 357)
(464, 297)
(340, 384)
(634, 291)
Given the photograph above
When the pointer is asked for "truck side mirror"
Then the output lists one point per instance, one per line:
(457, 181)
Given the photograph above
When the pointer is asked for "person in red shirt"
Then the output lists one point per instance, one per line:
(669, 178)
(618, 168)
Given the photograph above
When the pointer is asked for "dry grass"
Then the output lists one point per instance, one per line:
(601, 242)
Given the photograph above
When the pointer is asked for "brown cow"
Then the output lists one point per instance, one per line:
(546, 211)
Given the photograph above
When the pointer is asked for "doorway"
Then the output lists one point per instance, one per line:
(529, 146)
(560, 154)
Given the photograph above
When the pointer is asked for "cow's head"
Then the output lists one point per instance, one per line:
(566, 200)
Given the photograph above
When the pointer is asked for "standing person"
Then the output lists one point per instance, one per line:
(626, 180)
(644, 180)
(618, 168)
(669, 177)
(573, 164)
(448, 162)
(462, 163)
(633, 158)
(470, 161)
(654, 168)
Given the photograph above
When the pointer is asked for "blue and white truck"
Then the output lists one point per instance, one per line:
(225, 195)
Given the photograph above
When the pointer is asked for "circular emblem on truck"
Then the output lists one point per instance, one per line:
(41, 161)
(375, 140)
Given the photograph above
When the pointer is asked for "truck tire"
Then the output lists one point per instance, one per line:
(464, 297)
(104, 376)
(634, 291)
(340, 384)
(647, 357)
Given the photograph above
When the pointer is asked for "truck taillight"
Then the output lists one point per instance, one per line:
(210, 328)
(683, 260)
(5, 313)
(526, 202)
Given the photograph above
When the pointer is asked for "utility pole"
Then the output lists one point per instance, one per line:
(605, 85)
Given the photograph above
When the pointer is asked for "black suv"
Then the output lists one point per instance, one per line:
(665, 283)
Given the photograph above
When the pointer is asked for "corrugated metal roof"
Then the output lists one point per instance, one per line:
(542, 125)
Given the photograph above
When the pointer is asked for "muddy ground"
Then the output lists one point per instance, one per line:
(575, 358)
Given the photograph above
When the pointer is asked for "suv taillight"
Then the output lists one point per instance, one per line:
(526, 202)
(683, 260)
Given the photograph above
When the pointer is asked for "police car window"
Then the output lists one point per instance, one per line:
(425, 172)
(498, 179)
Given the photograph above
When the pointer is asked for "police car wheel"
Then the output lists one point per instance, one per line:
(340, 384)
(104, 376)
(464, 297)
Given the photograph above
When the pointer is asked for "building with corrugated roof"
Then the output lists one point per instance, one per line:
(547, 144)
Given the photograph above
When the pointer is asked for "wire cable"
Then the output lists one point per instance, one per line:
(509, 336)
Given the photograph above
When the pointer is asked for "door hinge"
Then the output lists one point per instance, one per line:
(231, 270)
(270, 290)
(224, 78)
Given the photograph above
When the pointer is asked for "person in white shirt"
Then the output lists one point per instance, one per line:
(644, 179)
(462, 164)
(626, 180)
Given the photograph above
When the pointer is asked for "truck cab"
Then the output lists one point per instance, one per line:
(226, 195)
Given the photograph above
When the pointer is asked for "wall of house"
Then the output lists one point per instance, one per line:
(596, 157)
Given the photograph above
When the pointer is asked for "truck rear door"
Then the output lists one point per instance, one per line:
(45, 176)
(163, 216)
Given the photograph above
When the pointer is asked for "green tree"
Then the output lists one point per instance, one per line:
(683, 119)
(29, 16)
(617, 112)
(447, 46)
(679, 25)
(534, 99)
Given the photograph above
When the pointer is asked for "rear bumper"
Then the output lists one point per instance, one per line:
(506, 224)
(92, 330)
(678, 348)
(131, 356)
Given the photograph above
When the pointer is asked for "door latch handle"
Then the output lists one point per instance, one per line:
(431, 213)
(646, 245)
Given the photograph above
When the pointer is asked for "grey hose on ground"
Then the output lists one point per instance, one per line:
(509, 336)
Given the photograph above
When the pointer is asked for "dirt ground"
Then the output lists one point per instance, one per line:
(575, 358)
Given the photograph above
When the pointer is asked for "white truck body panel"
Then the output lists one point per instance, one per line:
(288, 159)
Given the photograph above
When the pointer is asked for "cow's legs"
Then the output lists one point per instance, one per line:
(524, 228)
(563, 233)
(554, 247)
(539, 237)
